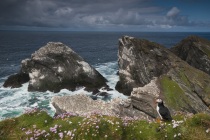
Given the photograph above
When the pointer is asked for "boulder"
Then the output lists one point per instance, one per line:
(143, 98)
(56, 66)
(195, 51)
(16, 81)
(82, 105)
(181, 86)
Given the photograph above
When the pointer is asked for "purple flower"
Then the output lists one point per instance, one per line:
(60, 135)
(54, 129)
(28, 132)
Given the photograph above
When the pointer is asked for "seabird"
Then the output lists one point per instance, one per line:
(163, 111)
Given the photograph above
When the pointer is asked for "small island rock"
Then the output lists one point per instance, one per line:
(56, 66)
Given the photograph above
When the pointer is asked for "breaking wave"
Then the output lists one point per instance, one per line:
(13, 102)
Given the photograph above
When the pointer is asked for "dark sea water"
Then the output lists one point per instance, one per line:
(97, 48)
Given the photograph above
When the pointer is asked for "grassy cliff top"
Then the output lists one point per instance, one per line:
(39, 125)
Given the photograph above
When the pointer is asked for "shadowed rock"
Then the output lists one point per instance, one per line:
(56, 66)
(16, 81)
(195, 51)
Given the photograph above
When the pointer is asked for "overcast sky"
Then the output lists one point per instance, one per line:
(105, 15)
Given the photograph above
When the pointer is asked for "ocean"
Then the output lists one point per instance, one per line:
(97, 48)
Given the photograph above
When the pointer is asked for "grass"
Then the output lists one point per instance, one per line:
(172, 91)
(39, 125)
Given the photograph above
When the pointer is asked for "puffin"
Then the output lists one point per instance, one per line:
(163, 111)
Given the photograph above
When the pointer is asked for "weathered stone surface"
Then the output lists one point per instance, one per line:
(16, 81)
(56, 66)
(143, 98)
(195, 51)
(139, 61)
(181, 86)
(84, 105)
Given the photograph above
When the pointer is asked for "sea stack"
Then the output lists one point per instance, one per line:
(55, 66)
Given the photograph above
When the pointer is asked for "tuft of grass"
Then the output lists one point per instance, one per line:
(39, 125)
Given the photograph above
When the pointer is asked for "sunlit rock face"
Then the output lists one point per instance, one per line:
(143, 63)
(55, 66)
(195, 51)
(139, 62)
(83, 105)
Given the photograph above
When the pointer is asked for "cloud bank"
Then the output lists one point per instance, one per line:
(89, 14)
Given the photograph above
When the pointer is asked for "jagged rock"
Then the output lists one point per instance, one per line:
(83, 105)
(16, 81)
(195, 51)
(56, 66)
(182, 87)
(139, 62)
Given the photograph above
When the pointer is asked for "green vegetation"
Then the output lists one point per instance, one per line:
(39, 125)
(172, 92)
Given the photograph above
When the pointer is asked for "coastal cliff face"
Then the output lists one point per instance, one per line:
(139, 62)
(182, 87)
(195, 51)
(56, 66)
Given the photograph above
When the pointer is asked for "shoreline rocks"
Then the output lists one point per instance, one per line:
(147, 71)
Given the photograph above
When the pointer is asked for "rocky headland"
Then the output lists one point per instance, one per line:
(182, 87)
(147, 70)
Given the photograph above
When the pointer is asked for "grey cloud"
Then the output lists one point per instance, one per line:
(173, 12)
(72, 12)
(173, 18)
(88, 13)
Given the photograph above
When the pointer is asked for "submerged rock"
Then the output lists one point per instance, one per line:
(56, 66)
(181, 86)
(195, 51)
(83, 105)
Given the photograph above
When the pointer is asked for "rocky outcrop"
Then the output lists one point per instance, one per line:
(139, 62)
(56, 66)
(143, 98)
(16, 81)
(195, 51)
(182, 87)
(83, 105)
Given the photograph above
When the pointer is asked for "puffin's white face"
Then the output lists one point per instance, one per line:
(159, 101)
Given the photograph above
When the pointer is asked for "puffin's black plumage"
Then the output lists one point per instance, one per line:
(163, 111)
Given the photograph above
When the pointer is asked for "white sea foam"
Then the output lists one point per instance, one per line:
(13, 102)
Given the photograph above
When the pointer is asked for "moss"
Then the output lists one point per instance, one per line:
(174, 95)
(184, 78)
